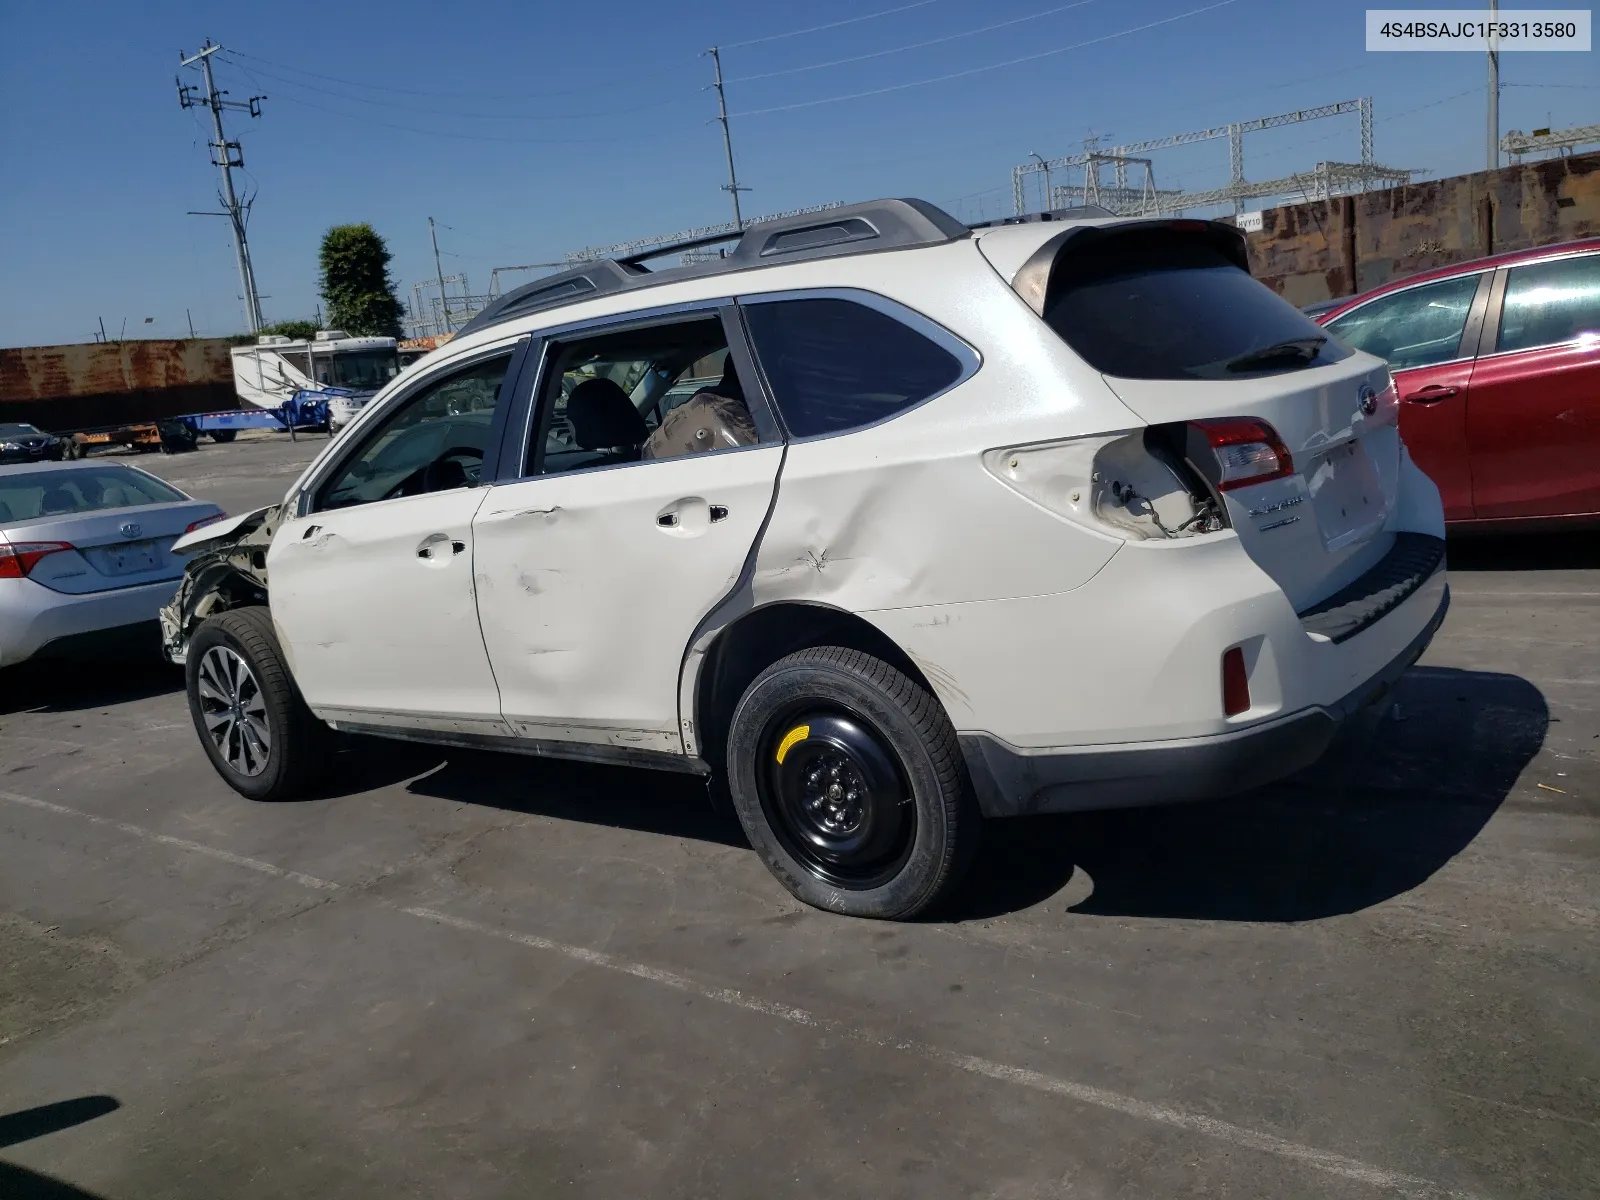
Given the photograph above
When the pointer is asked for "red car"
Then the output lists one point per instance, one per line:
(1498, 366)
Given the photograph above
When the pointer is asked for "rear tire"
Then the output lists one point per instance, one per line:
(850, 785)
(247, 711)
(223, 436)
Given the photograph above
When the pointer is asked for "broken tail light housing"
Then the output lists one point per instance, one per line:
(204, 521)
(1235, 683)
(17, 559)
(1247, 451)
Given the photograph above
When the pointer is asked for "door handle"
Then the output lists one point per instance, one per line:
(437, 542)
(1432, 394)
(311, 531)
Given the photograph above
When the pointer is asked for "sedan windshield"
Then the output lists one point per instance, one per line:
(18, 430)
(32, 495)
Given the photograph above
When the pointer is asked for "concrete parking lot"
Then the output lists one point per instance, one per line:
(468, 976)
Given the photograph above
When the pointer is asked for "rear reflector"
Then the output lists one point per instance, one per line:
(1235, 683)
(204, 521)
(1248, 451)
(18, 558)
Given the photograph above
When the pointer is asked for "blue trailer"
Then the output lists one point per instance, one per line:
(305, 410)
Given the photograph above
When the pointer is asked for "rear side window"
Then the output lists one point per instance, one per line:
(1414, 328)
(1170, 305)
(836, 365)
(1550, 303)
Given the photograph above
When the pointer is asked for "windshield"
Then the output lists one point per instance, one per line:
(18, 430)
(30, 495)
(363, 370)
(1163, 304)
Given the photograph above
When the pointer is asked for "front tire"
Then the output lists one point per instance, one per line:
(251, 720)
(223, 436)
(850, 785)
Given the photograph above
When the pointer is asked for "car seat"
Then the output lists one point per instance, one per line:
(57, 500)
(603, 418)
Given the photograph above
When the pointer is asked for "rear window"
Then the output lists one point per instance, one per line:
(35, 495)
(836, 365)
(1169, 305)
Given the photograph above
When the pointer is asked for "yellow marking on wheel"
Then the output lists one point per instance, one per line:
(798, 734)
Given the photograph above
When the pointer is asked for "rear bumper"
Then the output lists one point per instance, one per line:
(35, 621)
(1015, 782)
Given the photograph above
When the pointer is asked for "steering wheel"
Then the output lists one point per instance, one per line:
(432, 477)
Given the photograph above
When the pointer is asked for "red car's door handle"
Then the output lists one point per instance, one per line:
(1432, 394)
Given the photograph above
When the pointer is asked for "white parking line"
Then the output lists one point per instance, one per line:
(1238, 1135)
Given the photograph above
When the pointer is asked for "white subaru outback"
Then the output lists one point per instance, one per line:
(886, 524)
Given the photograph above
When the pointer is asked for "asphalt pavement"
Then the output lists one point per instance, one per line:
(459, 975)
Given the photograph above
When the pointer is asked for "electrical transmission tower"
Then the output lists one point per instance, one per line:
(226, 155)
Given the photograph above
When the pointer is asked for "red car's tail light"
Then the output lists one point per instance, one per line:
(1248, 451)
(18, 558)
(204, 521)
(1235, 683)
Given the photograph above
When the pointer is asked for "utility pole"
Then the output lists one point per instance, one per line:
(226, 156)
(1049, 196)
(732, 186)
(1494, 93)
(444, 299)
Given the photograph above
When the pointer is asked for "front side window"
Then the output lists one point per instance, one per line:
(1414, 328)
(1550, 303)
(836, 364)
(640, 394)
(434, 441)
(33, 495)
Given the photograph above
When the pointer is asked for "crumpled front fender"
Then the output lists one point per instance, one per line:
(228, 570)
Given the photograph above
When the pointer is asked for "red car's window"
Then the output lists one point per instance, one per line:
(1413, 328)
(1550, 303)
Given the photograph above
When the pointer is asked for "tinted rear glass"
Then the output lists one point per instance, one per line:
(836, 365)
(1169, 305)
(41, 495)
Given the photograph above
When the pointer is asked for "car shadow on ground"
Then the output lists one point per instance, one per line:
(1525, 552)
(19, 1183)
(1404, 788)
(53, 686)
(664, 802)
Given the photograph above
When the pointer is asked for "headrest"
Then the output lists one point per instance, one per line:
(602, 416)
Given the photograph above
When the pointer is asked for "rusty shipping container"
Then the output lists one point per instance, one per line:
(1334, 248)
(114, 383)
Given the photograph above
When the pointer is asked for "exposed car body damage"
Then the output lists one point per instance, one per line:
(228, 570)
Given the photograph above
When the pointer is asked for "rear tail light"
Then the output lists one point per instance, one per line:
(1247, 451)
(1235, 683)
(19, 558)
(204, 521)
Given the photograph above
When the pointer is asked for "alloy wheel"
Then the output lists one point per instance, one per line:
(234, 711)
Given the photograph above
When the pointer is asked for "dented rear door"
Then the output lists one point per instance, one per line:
(591, 583)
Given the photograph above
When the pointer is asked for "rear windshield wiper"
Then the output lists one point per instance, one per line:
(1296, 350)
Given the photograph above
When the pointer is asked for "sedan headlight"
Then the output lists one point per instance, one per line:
(10, 445)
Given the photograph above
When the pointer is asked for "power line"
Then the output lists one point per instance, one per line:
(756, 112)
(778, 37)
(379, 87)
(949, 37)
(473, 116)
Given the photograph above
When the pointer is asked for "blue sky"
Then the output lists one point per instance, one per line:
(531, 129)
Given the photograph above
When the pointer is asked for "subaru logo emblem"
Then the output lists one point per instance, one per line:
(1369, 399)
(131, 529)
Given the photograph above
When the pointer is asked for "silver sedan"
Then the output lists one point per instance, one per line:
(86, 555)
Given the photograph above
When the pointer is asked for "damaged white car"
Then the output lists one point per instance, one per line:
(886, 524)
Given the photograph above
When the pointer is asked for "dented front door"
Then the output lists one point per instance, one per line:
(374, 606)
(590, 585)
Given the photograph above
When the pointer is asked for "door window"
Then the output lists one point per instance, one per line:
(640, 394)
(836, 365)
(1414, 328)
(1550, 303)
(434, 441)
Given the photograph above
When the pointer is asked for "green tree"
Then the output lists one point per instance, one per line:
(356, 284)
(300, 331)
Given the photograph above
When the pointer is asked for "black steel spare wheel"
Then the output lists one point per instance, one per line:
(847, 778)
(836, 798)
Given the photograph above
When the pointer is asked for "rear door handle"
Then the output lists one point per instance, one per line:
(1432, 394)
